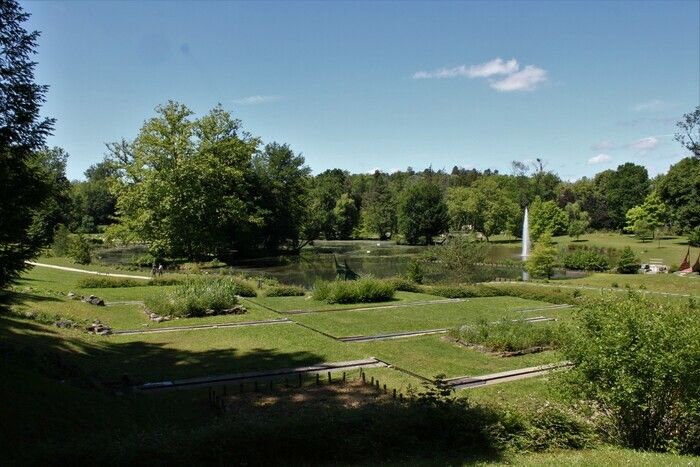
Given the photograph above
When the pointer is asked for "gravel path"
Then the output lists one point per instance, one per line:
(84, 271)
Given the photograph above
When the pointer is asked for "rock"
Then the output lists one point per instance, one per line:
(158, 319)
(71, 295)
(98, 328)
(93, 300)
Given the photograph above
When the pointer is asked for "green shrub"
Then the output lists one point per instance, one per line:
(694, 237)
(285, 291)
(637, 365)
(244, 287)
(509, 336)
(61, 241)
(405, 285)
(462, 291)
(586, 260)
(363, 290)
(80, 250)
(195, 296)
(106, 282)
(414, 272)
(628, 262)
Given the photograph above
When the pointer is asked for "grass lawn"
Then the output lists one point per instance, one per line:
(433, 355)
(94, 266)
(419, 317)
(653, 282)
(600, 457)
(309, 304)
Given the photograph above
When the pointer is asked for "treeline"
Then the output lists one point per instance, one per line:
(202, 187)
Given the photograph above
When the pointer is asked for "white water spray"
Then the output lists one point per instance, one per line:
(526, 243)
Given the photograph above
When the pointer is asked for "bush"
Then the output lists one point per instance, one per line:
(628, 263)
(106, 282)
(543, 294)
(244, 287)
(363, 290)
(462, 291)
(285, 291)
(414, 271)
(405, 285)
(80, 250)
(195, 297)
(694, 237)
(586, 260)
(637, 365)
(61, 241)
(509, 336)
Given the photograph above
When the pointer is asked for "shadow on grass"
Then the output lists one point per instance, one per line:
(61, 379)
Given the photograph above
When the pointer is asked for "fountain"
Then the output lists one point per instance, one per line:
(526, 244)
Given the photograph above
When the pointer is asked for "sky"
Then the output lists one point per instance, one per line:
(383, 85)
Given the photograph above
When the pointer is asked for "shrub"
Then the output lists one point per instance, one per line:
(80, 250)
(637, 365)
(586, 260)
(414, 272)
(628, 263)
(195, 296)
(694, 237)
(543, 294)
(363, 290)
(405, 285)
(285, 291)
(244, 287)
(543, 258)
(463, 291)
(61, 241)
(509, 336)
(106, 282)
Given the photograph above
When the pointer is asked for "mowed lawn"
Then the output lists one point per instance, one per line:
(307, 303)
(670, 283)
(429, 356)
(419, 317)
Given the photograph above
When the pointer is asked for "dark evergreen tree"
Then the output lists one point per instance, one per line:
(23, 187)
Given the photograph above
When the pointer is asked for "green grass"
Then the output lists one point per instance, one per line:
(433, 355)
(653, 282)
(309, 304)
(416, 318)
(600, 457)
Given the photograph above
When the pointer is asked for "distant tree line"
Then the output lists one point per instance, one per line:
(203, 187)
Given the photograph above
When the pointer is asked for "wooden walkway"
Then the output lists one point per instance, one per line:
(469, 382)
(198, 327)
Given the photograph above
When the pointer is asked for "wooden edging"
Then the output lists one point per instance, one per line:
(197, 327)
(378, 307)
(206, 381)
(468, 382)
(395, 335)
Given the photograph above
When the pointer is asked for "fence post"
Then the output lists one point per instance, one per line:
(329, 377)
(394, 396)
(364, 381)
(343, 377)
(371, 381)
(299, 379)
(318, 379)
(385, 389)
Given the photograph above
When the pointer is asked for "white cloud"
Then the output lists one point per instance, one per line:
(504, 76)
(484, 70)
(526, 79)
(649, 106)
(599, 159)
(253, 100)
(645, 144)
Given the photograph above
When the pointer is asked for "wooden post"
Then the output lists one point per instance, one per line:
(371, 381)
(272, 385)
(318, 379)
(286, 382)
(394, 396)
(364, 381)
(299, 379)
(329, 377)
(343, 377)
(385, 389)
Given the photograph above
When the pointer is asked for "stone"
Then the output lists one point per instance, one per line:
(71, 295)
(93, 300)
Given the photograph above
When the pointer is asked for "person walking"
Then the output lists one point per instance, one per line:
(160, 269)
(153, 270)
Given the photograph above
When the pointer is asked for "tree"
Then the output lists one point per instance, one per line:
(55, 208)
(282, 182)
(689, 132)
(326, 189)
(623, 189)
(694, 237)
(422, 213)
(91, 200)
(22, 134)
(345, 214)
(458, 258)
(80, 250)
(184, 186)
(680, 191)
(546, 216)
(636, 363)
(485, 206)
(543, 258)
(628, 262)
(644, 219)
(379, 208)
(578, 220)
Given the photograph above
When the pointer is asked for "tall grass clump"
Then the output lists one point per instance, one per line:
(195, 297)
(285, 291)
(510, 336)
(106, 282)
(364, 290)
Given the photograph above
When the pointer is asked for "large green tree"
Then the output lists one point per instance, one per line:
(680, 191)
(379, 207)
(422, 212)
(623, 189)
(92, 202)
(546, 216)
(184, 184)
(24, 186)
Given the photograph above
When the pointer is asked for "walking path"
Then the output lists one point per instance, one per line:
(192, 383)
(198, 327)
(379, 307)
(394, 335)
(468, 382)
(84, 271)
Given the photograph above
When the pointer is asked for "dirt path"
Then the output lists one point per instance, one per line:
(84, 271)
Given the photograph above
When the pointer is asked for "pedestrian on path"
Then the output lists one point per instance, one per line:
(160, 269)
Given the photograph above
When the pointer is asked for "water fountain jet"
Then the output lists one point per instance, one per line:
(525, 253)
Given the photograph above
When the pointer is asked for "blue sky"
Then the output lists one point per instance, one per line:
(367, 85)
